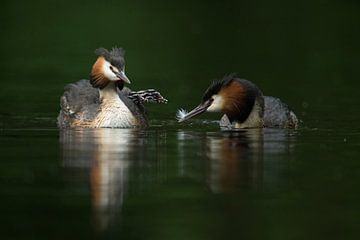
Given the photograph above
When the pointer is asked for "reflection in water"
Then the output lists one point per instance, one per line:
(238, 159)
(225, 161)
(235, 159)
(106, 153)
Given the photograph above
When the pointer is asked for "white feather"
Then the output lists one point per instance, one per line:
(181, 113)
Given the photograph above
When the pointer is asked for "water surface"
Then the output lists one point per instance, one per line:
(163, 183)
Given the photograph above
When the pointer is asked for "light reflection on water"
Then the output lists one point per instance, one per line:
(106, 153)
(225, 162)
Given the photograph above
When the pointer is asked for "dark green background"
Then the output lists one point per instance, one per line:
(305, 52)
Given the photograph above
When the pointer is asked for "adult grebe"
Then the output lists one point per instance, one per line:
(104, 102)
(244, 106)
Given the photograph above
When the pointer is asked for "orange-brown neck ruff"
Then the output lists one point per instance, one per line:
(97, 77)
(239, 98)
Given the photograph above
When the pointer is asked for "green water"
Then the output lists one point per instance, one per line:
(182, 181)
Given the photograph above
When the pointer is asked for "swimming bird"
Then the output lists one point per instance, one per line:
(243, 105)
(103, 101)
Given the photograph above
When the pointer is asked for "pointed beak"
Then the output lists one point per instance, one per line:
(196, 111)
(123, 77)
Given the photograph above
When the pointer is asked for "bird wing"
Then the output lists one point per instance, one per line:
(278, 114)
(137, 108)
(79, 98)
(146, 96)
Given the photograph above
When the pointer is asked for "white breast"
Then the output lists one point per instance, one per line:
(114, 113)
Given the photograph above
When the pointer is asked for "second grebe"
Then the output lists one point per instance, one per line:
(104, 102)
(243, 105)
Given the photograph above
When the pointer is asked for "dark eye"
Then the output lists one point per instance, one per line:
(111, 68)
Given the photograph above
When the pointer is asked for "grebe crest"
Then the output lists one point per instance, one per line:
(109, 66)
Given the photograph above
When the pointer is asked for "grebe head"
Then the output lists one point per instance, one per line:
(109, 66)
(232, 96)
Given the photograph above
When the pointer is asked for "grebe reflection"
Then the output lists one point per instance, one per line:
(236, 160)
(105, 154)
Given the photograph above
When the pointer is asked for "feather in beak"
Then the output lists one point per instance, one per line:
(183, 116)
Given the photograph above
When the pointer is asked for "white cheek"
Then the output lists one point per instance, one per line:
(216, 105)
(108, 73)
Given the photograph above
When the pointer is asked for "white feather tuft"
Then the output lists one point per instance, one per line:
(180, 114)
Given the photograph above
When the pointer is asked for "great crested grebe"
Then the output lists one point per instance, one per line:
(104, 102)
(243, 105)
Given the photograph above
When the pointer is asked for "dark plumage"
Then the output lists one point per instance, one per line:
(115, 56)
(216, 86)
(278, 114)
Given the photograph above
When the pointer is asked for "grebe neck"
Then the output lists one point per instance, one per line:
(108, 92)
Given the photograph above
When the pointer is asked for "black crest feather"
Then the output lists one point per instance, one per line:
(115, 56)
(102, 52)
(119, 52)
(216, 85)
